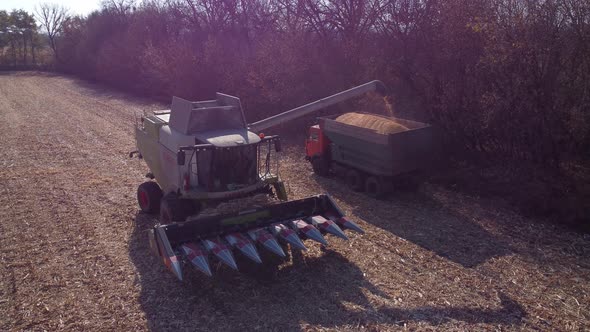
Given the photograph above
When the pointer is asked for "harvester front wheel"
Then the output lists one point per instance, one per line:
(165, 213)
(173, 209)
(149, 195)
(354, 180)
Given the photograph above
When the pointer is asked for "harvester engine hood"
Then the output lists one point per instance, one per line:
(227, 137)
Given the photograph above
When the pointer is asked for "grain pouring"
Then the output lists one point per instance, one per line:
(381, 124)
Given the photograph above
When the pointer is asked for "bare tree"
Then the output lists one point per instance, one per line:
(52, 17)
(121, 7)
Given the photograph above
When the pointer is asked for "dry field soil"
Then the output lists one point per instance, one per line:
(74, 253)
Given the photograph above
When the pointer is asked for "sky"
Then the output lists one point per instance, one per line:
(78, 7)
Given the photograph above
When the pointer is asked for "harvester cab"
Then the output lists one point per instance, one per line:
(205, 151)
(217, 187)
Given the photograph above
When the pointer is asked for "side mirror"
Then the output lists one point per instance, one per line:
(278, 147)
(180, 158)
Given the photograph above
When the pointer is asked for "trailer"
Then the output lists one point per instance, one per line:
(369, 161)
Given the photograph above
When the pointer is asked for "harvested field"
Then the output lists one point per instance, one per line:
(74, 253)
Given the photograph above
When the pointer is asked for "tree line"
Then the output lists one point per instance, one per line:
(504, 79)
(19, 39)
(27, 40)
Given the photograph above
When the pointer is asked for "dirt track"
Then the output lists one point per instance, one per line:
(74, 253)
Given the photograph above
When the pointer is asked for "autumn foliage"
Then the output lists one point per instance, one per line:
(504, 79)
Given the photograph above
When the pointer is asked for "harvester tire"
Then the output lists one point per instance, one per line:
(165, 212)
(149, 195)
(354, 180)
(375, 187)
(320, 166)
(175, 210)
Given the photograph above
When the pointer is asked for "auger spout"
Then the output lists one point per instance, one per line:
(376, 86)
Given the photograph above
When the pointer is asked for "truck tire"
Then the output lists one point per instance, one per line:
(354, 180)
(375, 187)
(149, 195)
(320, 166)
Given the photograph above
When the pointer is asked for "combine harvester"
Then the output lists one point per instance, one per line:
(218, 189)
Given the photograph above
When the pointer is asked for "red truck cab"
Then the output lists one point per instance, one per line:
(316, 150)
(316, 143)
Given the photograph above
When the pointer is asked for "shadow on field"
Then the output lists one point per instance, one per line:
(418, 218)
(327, 292)
(28, 72)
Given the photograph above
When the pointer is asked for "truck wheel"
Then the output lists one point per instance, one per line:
(354, 180)
(320, 166)
(375, 187)
(149, 195)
